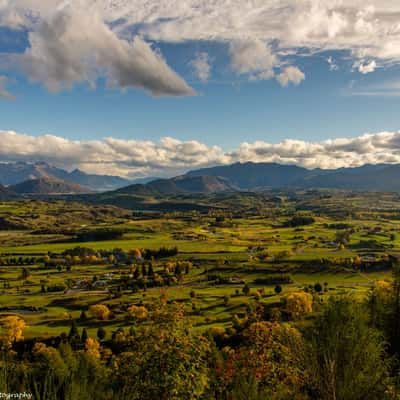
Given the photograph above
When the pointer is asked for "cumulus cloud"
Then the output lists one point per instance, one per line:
(110, 155)
(13, 19)
(169, 156)
(290, 75)
(73, 47)
(259, 36)
(253, 58)
(366, 29)
(4, 93)
(201, 66)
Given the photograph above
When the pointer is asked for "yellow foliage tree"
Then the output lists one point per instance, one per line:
(383, 287)
(40, 349)
(217, 331)
(299, 303)
(138, 312)
(99, 311)
(14, 328)
(92, 347)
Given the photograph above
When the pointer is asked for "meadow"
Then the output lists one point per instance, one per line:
(227, 259)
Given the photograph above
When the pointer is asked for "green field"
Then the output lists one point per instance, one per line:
(225, 252)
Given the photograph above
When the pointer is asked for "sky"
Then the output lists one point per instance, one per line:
(158, 87)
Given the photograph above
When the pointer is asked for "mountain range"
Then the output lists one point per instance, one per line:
(181, 184)
(256, 176)
(47, 186)
(42, 178)
(18, 172)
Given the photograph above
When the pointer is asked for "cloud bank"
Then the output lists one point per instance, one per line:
(72, 41)
(136, 158)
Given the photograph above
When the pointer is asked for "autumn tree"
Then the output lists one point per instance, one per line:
(92, 347)
(299, 303)
(170, 362)
(13, 329)
(270, 363)
(138, 312)
(99, 311)
(135, 253)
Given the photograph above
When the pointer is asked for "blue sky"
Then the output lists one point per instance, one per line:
(226, 111)
(337, 85)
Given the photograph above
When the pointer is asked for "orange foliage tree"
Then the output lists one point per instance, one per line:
(272, 358)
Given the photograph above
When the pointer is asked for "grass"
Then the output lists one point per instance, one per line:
(230, 250)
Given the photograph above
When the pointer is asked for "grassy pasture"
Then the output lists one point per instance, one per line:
(249, 248)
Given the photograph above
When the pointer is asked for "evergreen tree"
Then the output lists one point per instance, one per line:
(73, 335)
(150, 271)
(84, 335)
(101, 333)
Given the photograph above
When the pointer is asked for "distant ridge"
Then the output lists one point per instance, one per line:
(41, 178)
(180, 184)
(18, 172)
(48, 186)
(379, 179)
(6, 194)
(258, 176)
(251, 175)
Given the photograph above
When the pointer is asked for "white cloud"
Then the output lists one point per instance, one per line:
(110, 155)
(72, 47)
(332, 64)
(170, 156)
(201, 66)
(290, 75)
(259, 34)
(253, 58)
(388, 88)
(366, 67)
(4, 93)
